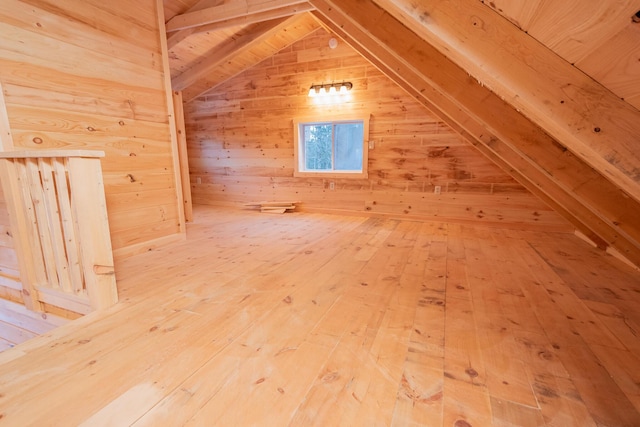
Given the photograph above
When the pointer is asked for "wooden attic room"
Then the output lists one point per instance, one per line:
(476, 266)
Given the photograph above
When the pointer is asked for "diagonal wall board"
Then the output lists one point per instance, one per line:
(598, 208)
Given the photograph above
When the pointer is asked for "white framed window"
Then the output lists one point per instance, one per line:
(332, 147)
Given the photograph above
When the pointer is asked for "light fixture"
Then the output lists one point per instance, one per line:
(330, 89)
(314, 91)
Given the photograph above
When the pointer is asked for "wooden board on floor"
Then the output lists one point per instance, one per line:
(321, 319)
(274, 207)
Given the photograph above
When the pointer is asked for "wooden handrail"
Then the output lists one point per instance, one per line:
(61, 233)
(47, 154)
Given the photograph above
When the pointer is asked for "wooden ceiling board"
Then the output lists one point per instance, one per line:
(573, 29)
(231, 47)
(616, 64)
(228, 10)
(582, 115)
(292, 30)
(520, 12)
(191, 50)
(177, 36)
(267, 15)
(634, 100)
(178, 7)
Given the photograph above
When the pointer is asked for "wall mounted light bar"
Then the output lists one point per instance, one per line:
(330, 89)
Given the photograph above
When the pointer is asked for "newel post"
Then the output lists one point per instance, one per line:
(90, 212)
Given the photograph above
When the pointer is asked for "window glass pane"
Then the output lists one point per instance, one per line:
(348, 155)
(317, 146)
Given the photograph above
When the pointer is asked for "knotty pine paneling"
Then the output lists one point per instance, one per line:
(88, 74)
(240, 144)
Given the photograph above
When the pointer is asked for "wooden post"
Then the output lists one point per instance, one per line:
(171, 114)
(6, 140)
(178, 109)
(90, 209)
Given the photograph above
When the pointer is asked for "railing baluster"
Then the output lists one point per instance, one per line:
(58, 208)
(42, 222)
(55, 226)
(29, 213)
(71, 242)
(89, 205)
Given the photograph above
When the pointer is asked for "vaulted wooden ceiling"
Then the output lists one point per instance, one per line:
(548, 90)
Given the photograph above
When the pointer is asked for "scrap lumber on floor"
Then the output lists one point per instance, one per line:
(274, 207)
(309, 319)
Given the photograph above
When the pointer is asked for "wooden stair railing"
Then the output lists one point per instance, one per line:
(60, 228)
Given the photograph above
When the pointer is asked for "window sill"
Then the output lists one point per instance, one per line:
(331, 174)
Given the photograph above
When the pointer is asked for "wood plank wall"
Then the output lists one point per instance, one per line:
(240, 144)
(88, 74)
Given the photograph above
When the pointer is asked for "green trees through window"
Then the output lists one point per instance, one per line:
(317, 146)
(332, 146)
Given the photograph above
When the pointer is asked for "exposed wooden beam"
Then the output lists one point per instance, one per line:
(177, 36)
(173, 132)
(587, 118)
(591, 202)
(227, 11)
(183, 158)
(249, 36)
(293, 29)
(179, 6)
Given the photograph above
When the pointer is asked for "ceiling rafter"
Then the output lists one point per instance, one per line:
(589, 119)
(296, 28)
(234, 9)
(249, 36)
(584, 196)
(281, 12)
(177, 36)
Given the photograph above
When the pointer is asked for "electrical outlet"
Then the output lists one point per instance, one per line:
(332, 186)
(198, 180)
(372, 144)
(437, 189)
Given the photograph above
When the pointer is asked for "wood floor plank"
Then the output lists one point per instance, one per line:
(309, 319)
(373, 329)
(505, 376)
(466, 399)
(623, 367)
(625, 328)
(422, 286)
(507, 413)
(605, 401)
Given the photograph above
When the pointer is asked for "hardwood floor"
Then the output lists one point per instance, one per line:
(304, 319)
